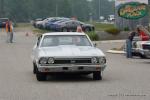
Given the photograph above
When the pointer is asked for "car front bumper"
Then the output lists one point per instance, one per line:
(71, 68)
(145, 52)
(139, 52)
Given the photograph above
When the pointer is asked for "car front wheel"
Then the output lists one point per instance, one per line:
(34, 68)
(97, 75)
(87, 29)
(143, 56)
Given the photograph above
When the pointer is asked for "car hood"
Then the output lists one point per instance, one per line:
(70, 51)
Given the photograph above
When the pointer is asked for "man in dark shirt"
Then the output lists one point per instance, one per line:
(129, 44)
(131, 35)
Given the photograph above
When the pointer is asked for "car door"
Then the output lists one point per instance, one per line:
(75, 24)
(68, 25)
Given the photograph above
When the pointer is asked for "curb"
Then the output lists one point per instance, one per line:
(116, 52)
(111, 41)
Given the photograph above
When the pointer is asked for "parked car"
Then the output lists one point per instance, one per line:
(71, 25)
(67, 52)
(40, 24)
(141, 49)
(36, 20)
(55, 19)
(3, 22)
(52, 25)
(47, 21)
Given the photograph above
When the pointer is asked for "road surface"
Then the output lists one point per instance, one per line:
(123, 79)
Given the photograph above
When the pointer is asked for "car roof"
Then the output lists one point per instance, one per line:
(71, 21)
(4, 18)
(65, 33)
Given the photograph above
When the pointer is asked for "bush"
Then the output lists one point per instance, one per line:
(93, 36)
(113, 31)
(126, 29)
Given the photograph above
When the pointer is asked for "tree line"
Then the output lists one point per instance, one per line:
(26, 10)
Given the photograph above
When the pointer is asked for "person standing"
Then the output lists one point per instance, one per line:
(129, 44)
(143, 35)
(9, 31)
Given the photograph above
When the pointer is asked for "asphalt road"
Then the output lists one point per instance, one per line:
(123, 79)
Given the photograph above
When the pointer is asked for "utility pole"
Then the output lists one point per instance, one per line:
(2, 8)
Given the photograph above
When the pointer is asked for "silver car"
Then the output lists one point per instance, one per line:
(67, 52)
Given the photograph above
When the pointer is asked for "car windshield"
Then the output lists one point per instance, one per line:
(3, 20)
(55, 40)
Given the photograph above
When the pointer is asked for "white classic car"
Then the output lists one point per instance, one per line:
(141, 48)
(67, 52)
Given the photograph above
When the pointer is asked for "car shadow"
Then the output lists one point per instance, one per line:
(69, 78)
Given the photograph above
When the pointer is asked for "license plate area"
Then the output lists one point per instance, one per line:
(72, 68)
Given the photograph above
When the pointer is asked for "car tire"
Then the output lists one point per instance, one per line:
(64, 29)
(97, 75)
(143, 56)
(34, 68)
(87, 29)
(41, 77)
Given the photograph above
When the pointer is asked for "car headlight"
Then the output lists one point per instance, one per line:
(50, 60)
(94, 60)
(43, 60)
(102, 60)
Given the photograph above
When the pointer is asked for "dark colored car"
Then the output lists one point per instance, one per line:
(71, 25)
(36, 20)
(52, 25)
(3, 22)
(48, 24)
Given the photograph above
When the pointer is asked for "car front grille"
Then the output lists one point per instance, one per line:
(73, 61)
(146, 46)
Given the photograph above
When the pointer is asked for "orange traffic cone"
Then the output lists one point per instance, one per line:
(79, 29)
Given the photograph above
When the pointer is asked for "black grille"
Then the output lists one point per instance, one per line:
(72, 61)
(145, 46)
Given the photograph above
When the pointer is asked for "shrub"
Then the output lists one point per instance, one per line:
(113, 31)
(126, 29)
(93, 36)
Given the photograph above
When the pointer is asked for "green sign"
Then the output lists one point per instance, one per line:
(133, 10)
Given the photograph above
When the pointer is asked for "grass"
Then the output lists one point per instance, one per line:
(36, 30)
(113, 31)
(101, 26)
(21, 25)
(28, 26)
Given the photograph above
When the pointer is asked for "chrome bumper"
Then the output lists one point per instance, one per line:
(71, 68)
(145, 52)
(141, 51)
